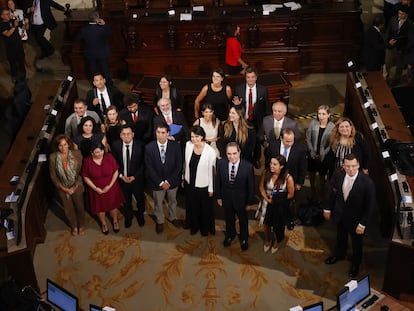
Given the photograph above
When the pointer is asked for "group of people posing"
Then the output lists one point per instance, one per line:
(115, 145)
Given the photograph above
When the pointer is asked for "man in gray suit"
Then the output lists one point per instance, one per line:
(72, 122)
(273, 124)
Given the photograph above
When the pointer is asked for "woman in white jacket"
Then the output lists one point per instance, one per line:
(199, 168)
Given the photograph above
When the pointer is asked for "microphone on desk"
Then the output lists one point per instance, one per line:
(68, 10)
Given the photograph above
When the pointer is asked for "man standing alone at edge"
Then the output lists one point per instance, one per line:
(351, 211)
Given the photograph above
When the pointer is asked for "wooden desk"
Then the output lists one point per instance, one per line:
(277, 85)
(317, 38)
(399, 273)
(19, 257)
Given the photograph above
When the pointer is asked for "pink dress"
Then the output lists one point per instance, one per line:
(101, 176)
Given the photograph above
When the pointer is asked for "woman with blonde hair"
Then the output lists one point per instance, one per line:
(237, 129)
(112, 125)
(345, 139)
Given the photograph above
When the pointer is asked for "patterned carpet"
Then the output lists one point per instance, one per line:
(139, 269)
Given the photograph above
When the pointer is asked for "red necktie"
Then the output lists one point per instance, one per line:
(169, 121)
(250, 111)
(135, 117)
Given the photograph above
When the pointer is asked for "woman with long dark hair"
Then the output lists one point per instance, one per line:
(277, 189)
(166, 89)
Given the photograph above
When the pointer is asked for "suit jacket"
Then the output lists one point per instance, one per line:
(205, 168)
(296, 162)
(177, 118)
(312, 134)
(136, 163)
(143, 128)
(96, 40)
(374, 49)
(115, 96)
(359, 206)
(400, 34)
(268, 127)
(261, 107)
(46, 13)
(241, 192)
(71, 124)
(157, 171)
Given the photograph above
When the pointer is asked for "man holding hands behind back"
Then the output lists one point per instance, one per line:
(234, 192)
(352, 207)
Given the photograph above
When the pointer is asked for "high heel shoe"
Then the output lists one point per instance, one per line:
(116, 227)
(104, 229)
(274, 249)
(266, 247)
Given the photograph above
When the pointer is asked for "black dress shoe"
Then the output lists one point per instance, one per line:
(291, 226)
(193, 231)
(244, 245)
(257, 164)
(227, 241)
(333, 259)
(353, 272)
(128, 222)
(141, 219)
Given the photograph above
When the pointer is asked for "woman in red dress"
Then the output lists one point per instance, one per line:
(235, 64)
(100, 172)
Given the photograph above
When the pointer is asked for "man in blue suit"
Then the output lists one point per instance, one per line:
(351, 211)
(234, 192)
(129, 153)
(163, 163)
(95, 37)
(41, 18)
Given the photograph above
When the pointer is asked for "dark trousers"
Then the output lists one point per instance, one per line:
(97, 64)
(199, 210)
(136, 189)
(45, 46)
(15, 56)
(230, 212)
(342, 243)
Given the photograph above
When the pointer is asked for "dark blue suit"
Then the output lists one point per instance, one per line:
(143, 127)
(235, 197)
(357, 209)
(96, 48)
(177, 118)
(157, 171)
(136, 169)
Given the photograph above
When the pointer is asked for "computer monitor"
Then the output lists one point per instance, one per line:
(347, 300)
(94, 308)
(314, 307)
(60, 297)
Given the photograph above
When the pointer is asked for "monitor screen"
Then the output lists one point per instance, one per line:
(60, 297)
(347, 300)
(94, 308)
(315, 307)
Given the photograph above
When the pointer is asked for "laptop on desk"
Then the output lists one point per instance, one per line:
(314, 307)
(363, 297)
(61, 298)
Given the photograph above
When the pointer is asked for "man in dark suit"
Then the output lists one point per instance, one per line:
(234, 192)
(102, 96)
(374, 45)
(138, 116)
(163, 163)
(397, 40)
(273, 124)
(295, 154)
(129, 153)
(354, 203)
(95, 37)
(254, 98)
(175, 119)
(41, 18)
